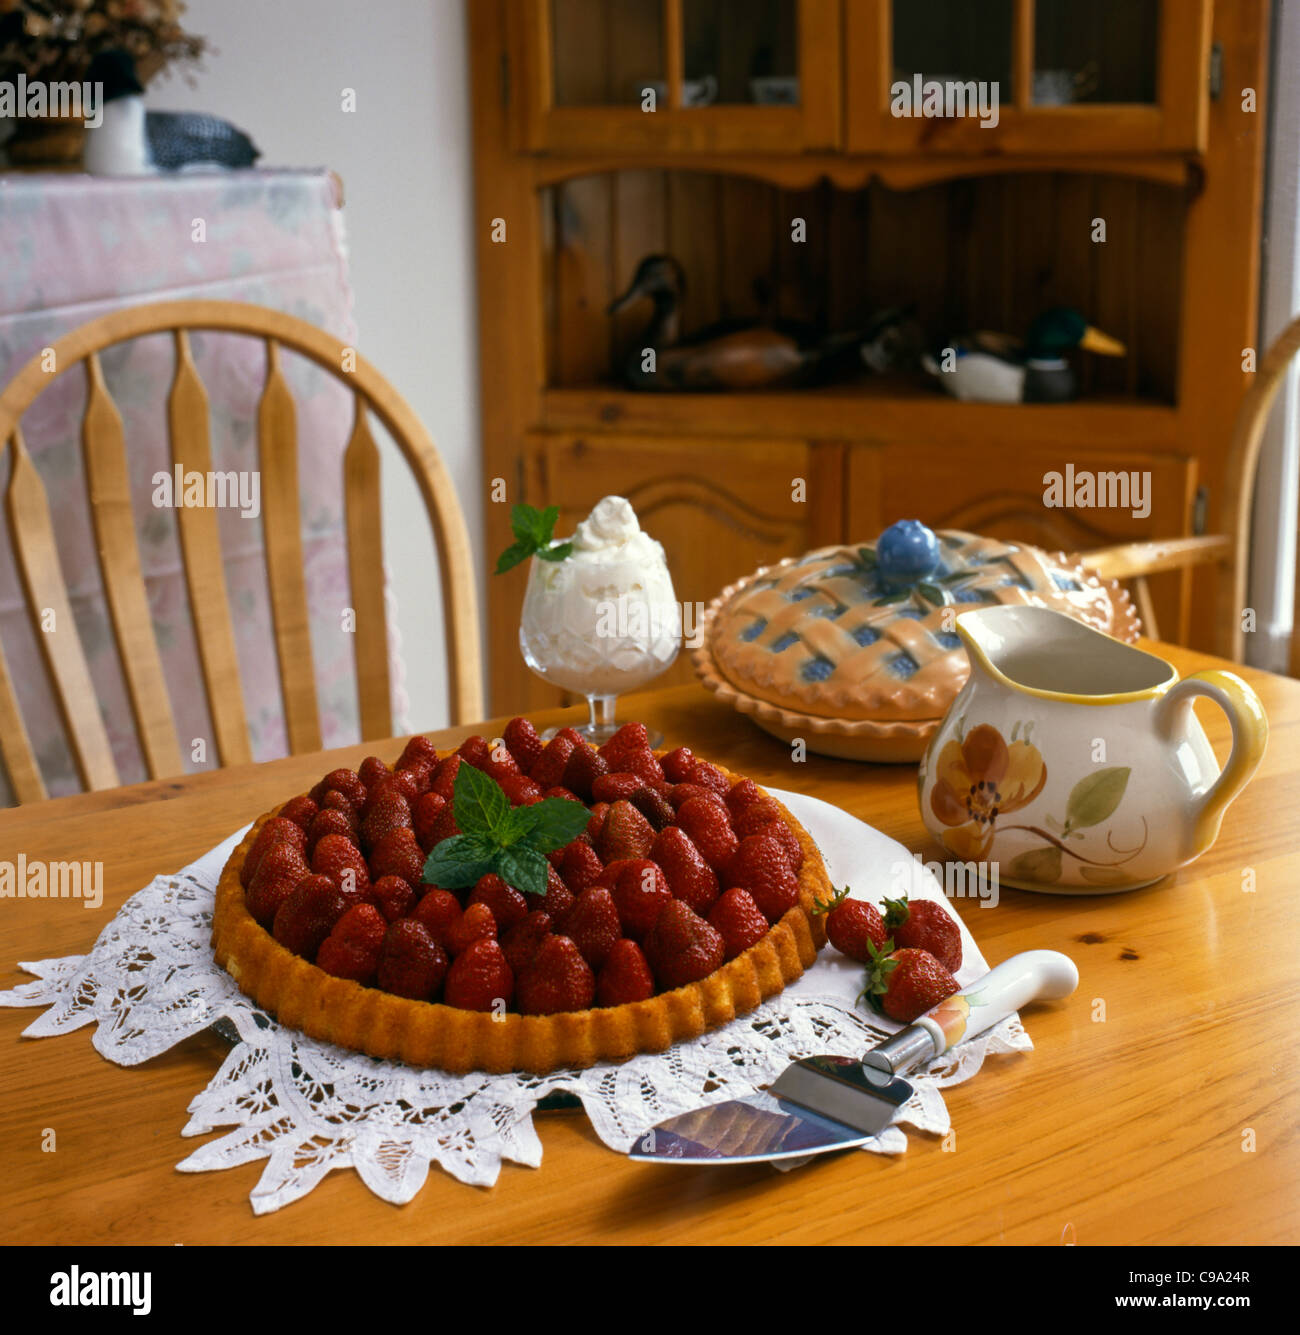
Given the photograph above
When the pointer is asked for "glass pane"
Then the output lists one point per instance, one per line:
(954, 40)
(1095, 51)
(741, 51)
(606, 52)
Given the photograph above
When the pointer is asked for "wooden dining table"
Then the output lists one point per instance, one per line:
(1159, 1104)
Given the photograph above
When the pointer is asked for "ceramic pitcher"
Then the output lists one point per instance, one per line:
(1074, 761)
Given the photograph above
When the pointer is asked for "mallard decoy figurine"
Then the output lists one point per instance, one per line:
(997, 368)
(729, 355)
(134, 142)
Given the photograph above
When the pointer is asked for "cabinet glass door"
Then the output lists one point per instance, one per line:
(1033, 77)
(678, 76)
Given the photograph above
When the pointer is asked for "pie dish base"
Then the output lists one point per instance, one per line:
(424, 1033)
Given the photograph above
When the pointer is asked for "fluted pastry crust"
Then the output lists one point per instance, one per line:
(424, 1033)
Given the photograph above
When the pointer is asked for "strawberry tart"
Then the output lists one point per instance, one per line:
(520, 905)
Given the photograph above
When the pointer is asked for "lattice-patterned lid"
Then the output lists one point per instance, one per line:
(865, 631)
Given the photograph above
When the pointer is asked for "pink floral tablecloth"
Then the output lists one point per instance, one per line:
(73, 247)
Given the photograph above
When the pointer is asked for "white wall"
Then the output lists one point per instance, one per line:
(278, 70)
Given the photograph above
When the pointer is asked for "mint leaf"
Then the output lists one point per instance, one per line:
(556, 553)
(460, 861)
(516, 825)
(554, 822)
(532, 529)
(514, 554)
(478, 803)
(524, 868)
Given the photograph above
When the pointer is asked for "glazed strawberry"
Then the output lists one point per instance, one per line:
(308, 916)
(411, 963)
(558, 899)
(475, 924)
(416, 776)
(562, 793)
(523, 940)
(330, 821)
(709, 776)
(655, 807)
(392, 896)
(786, 837)
(625, 976)
(337, 801)
(580, 866)
(743, 793)
(682, 948)
(593, 925)
(524, 743)
(507, 904)
(301, 810)
(924, 924)
(402, 783)
(424, 816)
(739, 919)
(643, 763)
(475, 751)
(444, 777)
(344, 781)
(629, 738)
(479, 978)
(501, 765)
(907, 983)
(352, 949)
(705, 819)
(854, 927)
(625, 834)
(750, 817)
(444, 825)
(583, 767)
(341, 860)
(437, 910)
(677, 764)
(278, 830)
(548, 770)
(398, 854)
(372, 770)
(277, 876)
(388, 812)
(762, 867)
(556, 979)
(689, 877)
(683, 792)
(599, 812)
(417, 749)
(520, 789)
(616, 787)
(640, 894)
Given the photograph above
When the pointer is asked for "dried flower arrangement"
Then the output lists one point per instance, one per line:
(57, 39)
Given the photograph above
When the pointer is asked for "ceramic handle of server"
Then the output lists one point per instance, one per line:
(1249, 737)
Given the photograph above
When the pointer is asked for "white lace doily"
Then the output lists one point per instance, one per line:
(307, 1107)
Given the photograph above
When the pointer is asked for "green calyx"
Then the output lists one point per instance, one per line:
(496, 837)
(532, 529)
(896, 913)
(837, 898)
(877, 976)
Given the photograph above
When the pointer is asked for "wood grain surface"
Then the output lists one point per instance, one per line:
(1122, 1130)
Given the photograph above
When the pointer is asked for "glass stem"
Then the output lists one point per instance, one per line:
(601, 722)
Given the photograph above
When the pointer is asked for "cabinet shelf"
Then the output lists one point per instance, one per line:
(884, 408)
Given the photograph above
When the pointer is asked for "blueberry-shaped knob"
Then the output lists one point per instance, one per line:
(905, 553)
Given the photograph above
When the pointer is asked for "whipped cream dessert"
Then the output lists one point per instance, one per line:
(605, 619)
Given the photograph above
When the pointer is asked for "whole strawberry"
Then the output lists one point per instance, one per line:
(548, 769)
(352, 949)
(340, 860)
(739, 919)
(625, 834)
(677, 764)
(640, 893)
(397, 854)
(479, 978)
(438, 909)
(556, 979)
(580, 865)
(389, 811)
(417, 750)
(924, 924)
(524, 939)
(301, 810)
(330, 821)
(281, 868)
(760, 865)
(391, 895)
(344, 781)
(308, 916)
(625, 977)
(906, 983)
(278, 830)
(475, 924)
(708, 823)
(853, 926)
(525, 745)
(689, 877)
(593, 925)
(507, 904)
(682, 948)
(424, 816)
(558, 899)
(411, 963)
(582, 769)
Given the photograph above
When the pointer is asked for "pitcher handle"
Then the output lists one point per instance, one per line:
(1249, 736)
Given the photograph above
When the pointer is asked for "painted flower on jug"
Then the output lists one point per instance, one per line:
(977, 780)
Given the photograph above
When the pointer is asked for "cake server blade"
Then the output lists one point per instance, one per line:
(821, 1104)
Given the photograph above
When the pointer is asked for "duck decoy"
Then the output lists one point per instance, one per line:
(731, 354)
(998, 368)
(131, 141)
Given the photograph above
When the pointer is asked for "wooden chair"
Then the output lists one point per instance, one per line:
(1229, 551)
(104, 451)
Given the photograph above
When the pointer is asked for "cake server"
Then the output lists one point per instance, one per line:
(826, 1103)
